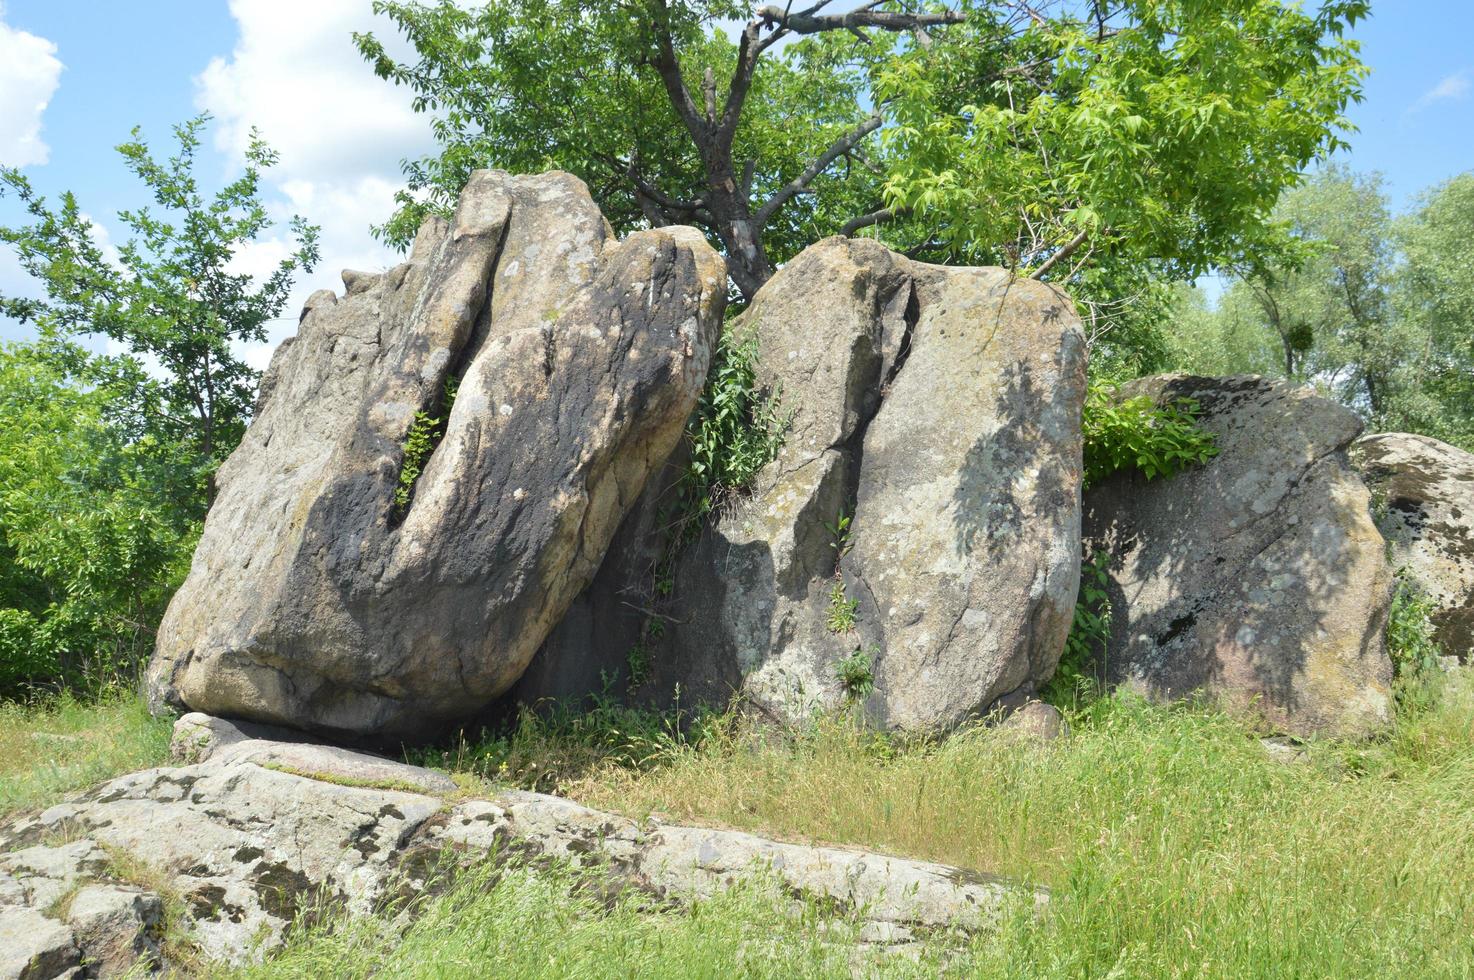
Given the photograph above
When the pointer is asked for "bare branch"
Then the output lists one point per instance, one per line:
(838, 149)
(1063, 253)
(879, 217)
(810, 22)
(749, 48)
(669, 67)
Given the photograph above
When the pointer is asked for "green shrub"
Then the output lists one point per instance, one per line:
(856, 674)
(1083, 661)
(93, 539)
(1156, 440)
(1411, 646)
(842, 609)
(735, 431)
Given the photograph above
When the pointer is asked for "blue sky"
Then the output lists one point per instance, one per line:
(76, 75)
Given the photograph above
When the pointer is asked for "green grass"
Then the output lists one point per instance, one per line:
(59, 746)
(1173, 844)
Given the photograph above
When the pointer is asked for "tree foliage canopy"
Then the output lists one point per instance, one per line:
(174, 296)
(1056, 138)
(105, 459)
(1372, 308)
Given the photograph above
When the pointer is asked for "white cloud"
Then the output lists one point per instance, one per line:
(296, 76)
(1452, 88)
(29, 75)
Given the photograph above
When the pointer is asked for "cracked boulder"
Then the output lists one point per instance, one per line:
(1257, 580)
(247, 848)
(914, 546)
(348, 586)
(1423, 494)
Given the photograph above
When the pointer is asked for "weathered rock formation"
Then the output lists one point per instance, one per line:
(1257, 579)
(251, 832)
(317, 600)
(938, 411)
(1423, 493)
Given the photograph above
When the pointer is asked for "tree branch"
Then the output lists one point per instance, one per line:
(669, 67)
(879, 217)
(1064, 252)
(839, 148)
(809, 22)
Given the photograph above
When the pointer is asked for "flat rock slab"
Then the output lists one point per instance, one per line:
(1258, 579)
(248, 847)
(1423, 500)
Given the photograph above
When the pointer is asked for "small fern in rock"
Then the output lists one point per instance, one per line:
(424, 435)
(1156, 440)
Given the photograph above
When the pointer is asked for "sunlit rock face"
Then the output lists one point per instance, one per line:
(1423, 502)
(1258, 579)
(330, 593)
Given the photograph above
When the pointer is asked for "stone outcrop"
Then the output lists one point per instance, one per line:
(317, 599)
(248, 842)
(937, 410)
(1423, 496)
(1257, 579)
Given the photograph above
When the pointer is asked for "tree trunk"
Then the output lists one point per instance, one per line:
(747, 260)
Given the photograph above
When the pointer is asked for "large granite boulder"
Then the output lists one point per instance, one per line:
(319, 600)
(253, 833)
(937, 410)
(1258, 579)
(1423, 493)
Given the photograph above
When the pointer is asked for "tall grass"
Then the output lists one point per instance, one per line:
(1175, 845)
(58, 746)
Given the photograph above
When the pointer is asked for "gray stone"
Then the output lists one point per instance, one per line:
(1258, 579)
(198, 736)
(688, 863)
(1423, 491)
(248, 848)
(939, 410)
(314, 600)
(115, 926)
(33, 947)
(1035, 721)
(245, 846)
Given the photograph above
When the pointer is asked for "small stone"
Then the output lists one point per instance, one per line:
(1035, 721)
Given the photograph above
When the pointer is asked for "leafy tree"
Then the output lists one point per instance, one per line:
(1372, 309)
(1149, 137)
(91, 541)
(104, 460)
(174, 298)
(1433, 295)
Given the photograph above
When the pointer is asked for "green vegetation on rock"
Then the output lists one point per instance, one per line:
(1138, 434)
